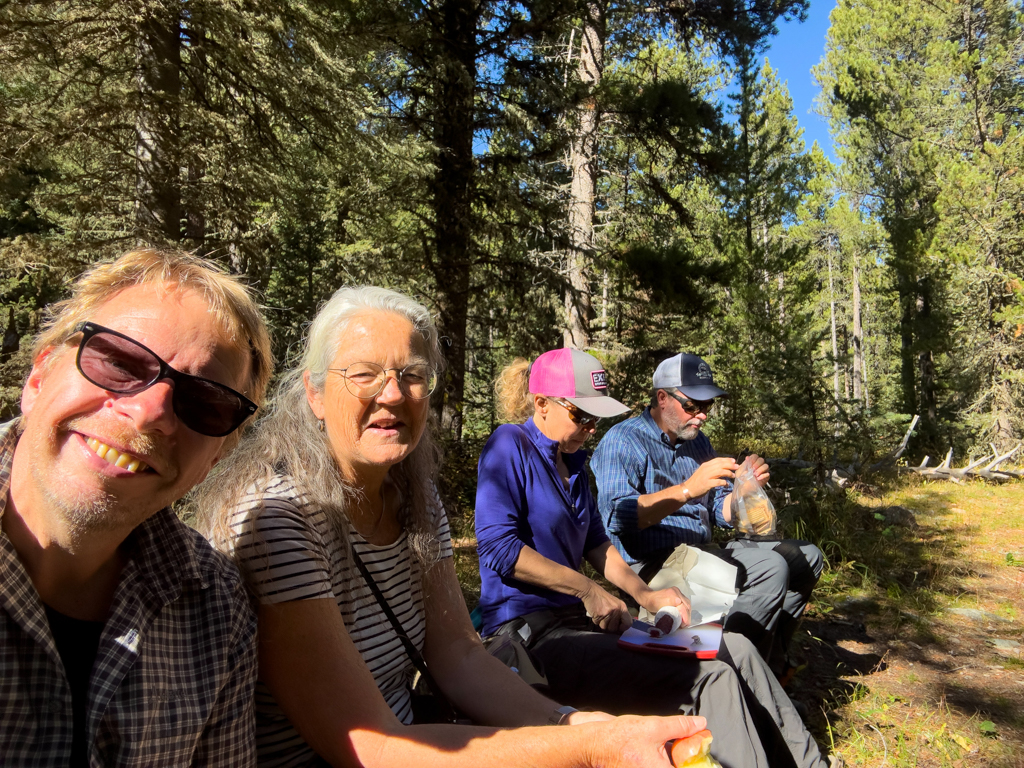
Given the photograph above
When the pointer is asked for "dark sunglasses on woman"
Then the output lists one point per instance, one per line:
(578, 417)
(119, 364)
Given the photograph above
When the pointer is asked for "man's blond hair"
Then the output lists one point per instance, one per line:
(230, 301)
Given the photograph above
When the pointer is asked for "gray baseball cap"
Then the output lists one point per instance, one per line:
(690, 375)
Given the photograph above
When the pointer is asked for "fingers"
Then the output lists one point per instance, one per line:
(684, 611)
(712, 474)
(671, 598)
(632, 741)
(724, 468)
(678, 726)
(608, 613)
(625, 621)
(617, 621)
(760, 467)
(668, 597)
(758, 464)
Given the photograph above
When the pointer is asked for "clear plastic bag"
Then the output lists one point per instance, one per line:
(752, 511)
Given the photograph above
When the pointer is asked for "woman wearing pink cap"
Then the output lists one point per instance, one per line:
(536, 520)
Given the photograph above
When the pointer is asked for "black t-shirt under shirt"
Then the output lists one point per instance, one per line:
(78, 642)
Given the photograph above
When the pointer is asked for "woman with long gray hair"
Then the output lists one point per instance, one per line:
(330, 509)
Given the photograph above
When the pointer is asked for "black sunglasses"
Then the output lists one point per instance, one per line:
(117, 363)
(576, 416)
(693, 406)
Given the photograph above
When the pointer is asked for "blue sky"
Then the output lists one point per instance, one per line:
(796, 49)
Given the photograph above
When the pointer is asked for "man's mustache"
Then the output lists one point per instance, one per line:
(124, 438)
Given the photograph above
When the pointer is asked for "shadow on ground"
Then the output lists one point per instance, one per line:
(883, 628)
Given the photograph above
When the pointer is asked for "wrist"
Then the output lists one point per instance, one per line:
(586, 588)
(643, 596)
(687, 497)
(561, 715)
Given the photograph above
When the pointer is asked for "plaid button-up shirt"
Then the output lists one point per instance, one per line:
(636, 458)
(172, 684)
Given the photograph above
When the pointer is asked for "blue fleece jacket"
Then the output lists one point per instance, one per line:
(521, 501)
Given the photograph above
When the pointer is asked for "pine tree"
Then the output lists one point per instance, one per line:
(924, 98)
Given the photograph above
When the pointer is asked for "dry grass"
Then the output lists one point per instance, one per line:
(917, 680)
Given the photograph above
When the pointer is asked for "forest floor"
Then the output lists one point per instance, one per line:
(913, 650)
(912, 653)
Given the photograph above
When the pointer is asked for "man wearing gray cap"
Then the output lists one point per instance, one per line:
(661, 486)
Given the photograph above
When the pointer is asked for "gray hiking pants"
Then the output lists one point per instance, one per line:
(753, 722)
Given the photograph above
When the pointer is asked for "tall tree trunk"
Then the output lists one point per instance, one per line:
(157, 166)
(845, 346)
(452, 195)
(926, 363)
(867, 376)
(746, 181)
(782, 299)
(195, 214)
(815, 429)
(835, 340)
(858, 336)
(583, 166)
(604, 301)
(908, 312)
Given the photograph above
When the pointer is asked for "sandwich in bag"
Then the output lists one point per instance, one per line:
(752, 511)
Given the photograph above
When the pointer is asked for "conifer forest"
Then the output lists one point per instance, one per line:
(627, 178)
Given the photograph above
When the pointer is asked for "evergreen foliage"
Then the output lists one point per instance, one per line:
(436, 149)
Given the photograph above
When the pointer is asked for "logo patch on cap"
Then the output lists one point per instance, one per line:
(703, 372)
(599, 379)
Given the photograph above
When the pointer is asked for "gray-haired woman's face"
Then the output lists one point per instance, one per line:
(372, 433)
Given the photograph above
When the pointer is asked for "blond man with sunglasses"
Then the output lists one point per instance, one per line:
(125, 640)
(661, 486)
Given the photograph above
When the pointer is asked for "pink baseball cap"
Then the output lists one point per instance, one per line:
(577, 377)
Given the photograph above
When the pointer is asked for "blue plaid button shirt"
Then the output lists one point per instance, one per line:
(636, 458)
(172, 684)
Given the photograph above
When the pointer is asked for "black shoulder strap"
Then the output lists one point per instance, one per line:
(414, 654)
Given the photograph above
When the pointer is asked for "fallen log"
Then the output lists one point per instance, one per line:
(839, 474)
(994, 464)
(894, 455)
(946, 471)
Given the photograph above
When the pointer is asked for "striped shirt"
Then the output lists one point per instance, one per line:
(636, 458)
(290, 550)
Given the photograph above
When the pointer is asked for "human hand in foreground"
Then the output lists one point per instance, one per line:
(711, 474)
(606, 610)
(760, 468)
(637, 742)
(667, 598)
